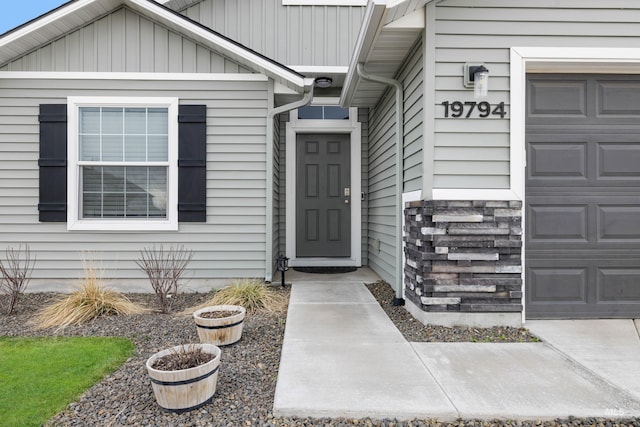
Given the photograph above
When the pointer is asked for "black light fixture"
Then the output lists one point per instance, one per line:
(282, 265)
(324, 82)
(477, 77)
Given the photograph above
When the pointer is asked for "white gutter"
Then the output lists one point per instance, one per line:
(398, 300)
(306, 100)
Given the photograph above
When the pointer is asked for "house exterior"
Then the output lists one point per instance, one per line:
(338, 133)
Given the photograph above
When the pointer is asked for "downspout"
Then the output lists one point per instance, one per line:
(304, 101)
(398, 299)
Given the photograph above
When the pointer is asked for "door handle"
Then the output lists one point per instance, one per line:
(346, 201)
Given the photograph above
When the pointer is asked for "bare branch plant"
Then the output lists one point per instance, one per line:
(16, 272)
(164, 267)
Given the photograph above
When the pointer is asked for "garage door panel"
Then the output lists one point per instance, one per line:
(557, 285)
(620, 285)
(619, 224)
(555, 99)
(582, 203)
(554, 224)
(618, 98)
(562, 161)
(619, 161)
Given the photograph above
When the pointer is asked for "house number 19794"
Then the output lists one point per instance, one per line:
(466, 109)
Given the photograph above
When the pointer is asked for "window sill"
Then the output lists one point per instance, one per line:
(122, 225)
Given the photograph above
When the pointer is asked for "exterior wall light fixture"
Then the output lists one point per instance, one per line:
(477, 77)
(324, 82)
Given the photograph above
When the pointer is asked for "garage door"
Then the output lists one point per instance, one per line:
(582, 233)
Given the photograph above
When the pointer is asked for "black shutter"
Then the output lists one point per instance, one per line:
(192, 153)
(53, 163)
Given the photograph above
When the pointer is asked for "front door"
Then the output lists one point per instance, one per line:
(323, 196)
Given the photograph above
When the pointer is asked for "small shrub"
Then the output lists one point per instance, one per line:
(91, 301)
(16, 273)
(185, 357)
(252, 294)
(164, 269)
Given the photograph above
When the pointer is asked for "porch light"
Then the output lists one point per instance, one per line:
(324, 82)
(477, 77)
(282, 265)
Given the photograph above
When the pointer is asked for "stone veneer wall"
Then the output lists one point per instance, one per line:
(464, 256)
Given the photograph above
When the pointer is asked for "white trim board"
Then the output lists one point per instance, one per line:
(353, 128)
(62, 75)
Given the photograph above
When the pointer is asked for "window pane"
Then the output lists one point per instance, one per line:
(112, 121)
(132, 192)
(158, 121)
(158, 190)
(112, 205)
(92, 205)
(91, 180)
(135, 121)
(112, 148)
(314, 112)
(90, 147)
(89, 120)
(158, 148)
(135, 148)
(113, 179)
(335, 113)
(137, 204)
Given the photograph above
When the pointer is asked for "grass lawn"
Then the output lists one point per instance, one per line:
(39, 377)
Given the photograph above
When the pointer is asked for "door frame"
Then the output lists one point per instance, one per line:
(351, 127)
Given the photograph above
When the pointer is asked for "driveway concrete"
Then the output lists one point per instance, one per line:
(343, 357)
(609, 348)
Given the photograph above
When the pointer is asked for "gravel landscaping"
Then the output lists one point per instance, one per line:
(248, 373)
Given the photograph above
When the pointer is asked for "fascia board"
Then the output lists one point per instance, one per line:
(371, 26)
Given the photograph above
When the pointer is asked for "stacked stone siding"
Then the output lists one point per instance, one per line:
(464, 256)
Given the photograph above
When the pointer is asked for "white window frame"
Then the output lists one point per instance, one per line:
(74, 221)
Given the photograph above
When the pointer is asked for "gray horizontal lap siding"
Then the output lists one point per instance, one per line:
(124, 41)
(292, 35)
(474, 153)
(232, 241)
(382, 167)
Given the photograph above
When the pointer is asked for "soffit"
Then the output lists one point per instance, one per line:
(385, 40)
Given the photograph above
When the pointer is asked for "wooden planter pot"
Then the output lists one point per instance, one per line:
(187, 389)
(220, 331)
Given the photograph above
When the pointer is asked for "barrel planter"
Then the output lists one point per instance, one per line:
(221, 329)
(186, 389)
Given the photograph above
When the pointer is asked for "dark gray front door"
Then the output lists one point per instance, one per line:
(583, 196)
(323, 199)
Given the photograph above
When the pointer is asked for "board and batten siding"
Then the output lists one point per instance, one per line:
(382, 166)
(124, 41)
(292, 35)
(232, 241)
(474, 153)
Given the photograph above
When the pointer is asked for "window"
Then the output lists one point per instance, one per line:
(323, 112)
(122, 163)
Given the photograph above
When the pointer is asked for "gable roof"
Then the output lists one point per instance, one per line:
(389, 30)
(76, 13)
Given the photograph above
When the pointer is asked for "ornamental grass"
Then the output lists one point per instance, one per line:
(90, 301)
(252, 294)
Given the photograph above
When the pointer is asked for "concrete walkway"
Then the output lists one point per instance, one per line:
(343, 357)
